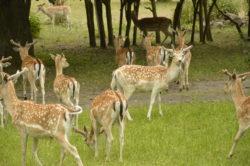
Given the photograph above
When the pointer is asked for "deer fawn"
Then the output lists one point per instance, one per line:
(153, 24)
(65, 87)
(124, 56)
(53, 11)
(3, 64)
(106, 108)
(38, 120)
(128, 78)
(184, 83)
(36, 70)
(241, 102)
(156, 55)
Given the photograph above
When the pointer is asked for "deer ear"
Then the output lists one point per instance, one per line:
(15, 49)
(243, 78)
(188, 48)
(6, 64)
(52, 56)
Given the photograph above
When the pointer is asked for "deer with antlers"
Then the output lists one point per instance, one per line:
(38, 120)
(106, 108)
(65, 87)
(128, 78)
(156, 55)
(53, 11)
(124, 56)
(3, 64)
(153, 24)
(183, 80)
(241, 102)
(36, 70)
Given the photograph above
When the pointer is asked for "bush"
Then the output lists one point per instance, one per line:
(35, 26)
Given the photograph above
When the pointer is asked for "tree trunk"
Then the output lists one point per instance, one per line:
(99, 15)
(14, 23)
(128, 18)
(248, 19)
(90, 22)
(195, 5)
(158, 36)
(136, 9)
(177, 16)
(123, 2)
(109, 22)
(201, 21)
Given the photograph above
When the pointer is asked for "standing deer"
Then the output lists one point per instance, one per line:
(36, 70)
(128, 78)
(38, 120)
(106, 108)
(241, 102)
(65, 87)
(183, 80)
(153, 24)
(156, 55)
(53, 11)
(124, 56)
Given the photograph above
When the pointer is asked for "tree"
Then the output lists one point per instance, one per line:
(14, 23)
(248, 19)
(90, 22)
(177, 16)
(136, 9)
(109, 22)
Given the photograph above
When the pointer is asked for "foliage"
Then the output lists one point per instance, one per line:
(35, 25)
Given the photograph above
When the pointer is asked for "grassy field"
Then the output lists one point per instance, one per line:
(187, 134)
(196, 133)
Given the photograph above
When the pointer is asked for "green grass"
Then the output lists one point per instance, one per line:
(187, 134)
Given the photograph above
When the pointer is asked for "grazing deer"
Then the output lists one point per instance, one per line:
(3, 64)
(36, 70)
(156, 55)
(153, 24)
(38, 120)
(53, 11)
(124, 56)
(65, 87)
(128, 78)
(183, 80)
(106, 108)
(241, 102)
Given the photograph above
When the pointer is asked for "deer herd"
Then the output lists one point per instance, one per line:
(38, 121)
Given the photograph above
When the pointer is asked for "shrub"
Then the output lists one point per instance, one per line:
(35, 26)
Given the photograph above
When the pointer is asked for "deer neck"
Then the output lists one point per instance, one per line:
(59, 69)
(181, 42)
(238, 94)
(45, 11)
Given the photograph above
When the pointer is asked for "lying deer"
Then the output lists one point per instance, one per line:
(124, 56)
(65, 87)
(128, 78)
(38, 120)
(53, 11)
(183, 80)
(156, 55)
(241, 102)
(36, 70)
(153, 24)
(3, 64)
(106, 108)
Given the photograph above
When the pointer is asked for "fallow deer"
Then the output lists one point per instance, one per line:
(156, 55)
(38, 120)
(183, 80)
(53, 11)
(241, 102)
(128, 78)
(106, 108)
(124, 55)
(153, 24)
(36, 70)
(65, 87)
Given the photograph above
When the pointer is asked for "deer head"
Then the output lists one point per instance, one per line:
(119, 41)
(179, 54)
(4, 63)
(23, 51)
(60, 60)
(87, 135)
(146, 40)
(40, 7)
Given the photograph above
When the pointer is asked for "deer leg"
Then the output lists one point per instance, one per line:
(68, 22)
(122, 127)
(182, 79)
(42, 81)
(34, 151)
(127, 93)
(159, 103)
(32, 80)
(2, 115)
(152, 100)
(53, 22)
(24, 86)
(62, 157)
(108, 142)
(236, 139)
(94, 125)
(24, 139)
(62, 139)
(186, 76)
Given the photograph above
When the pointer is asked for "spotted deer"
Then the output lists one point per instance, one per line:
(183, 80)
(36, 70)
(129, 78)
(65, 87)
(241, 102)
(106, 108)
(123, 55)
(156, 55)
(38, 120)
(3, 64)
(53, 11)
